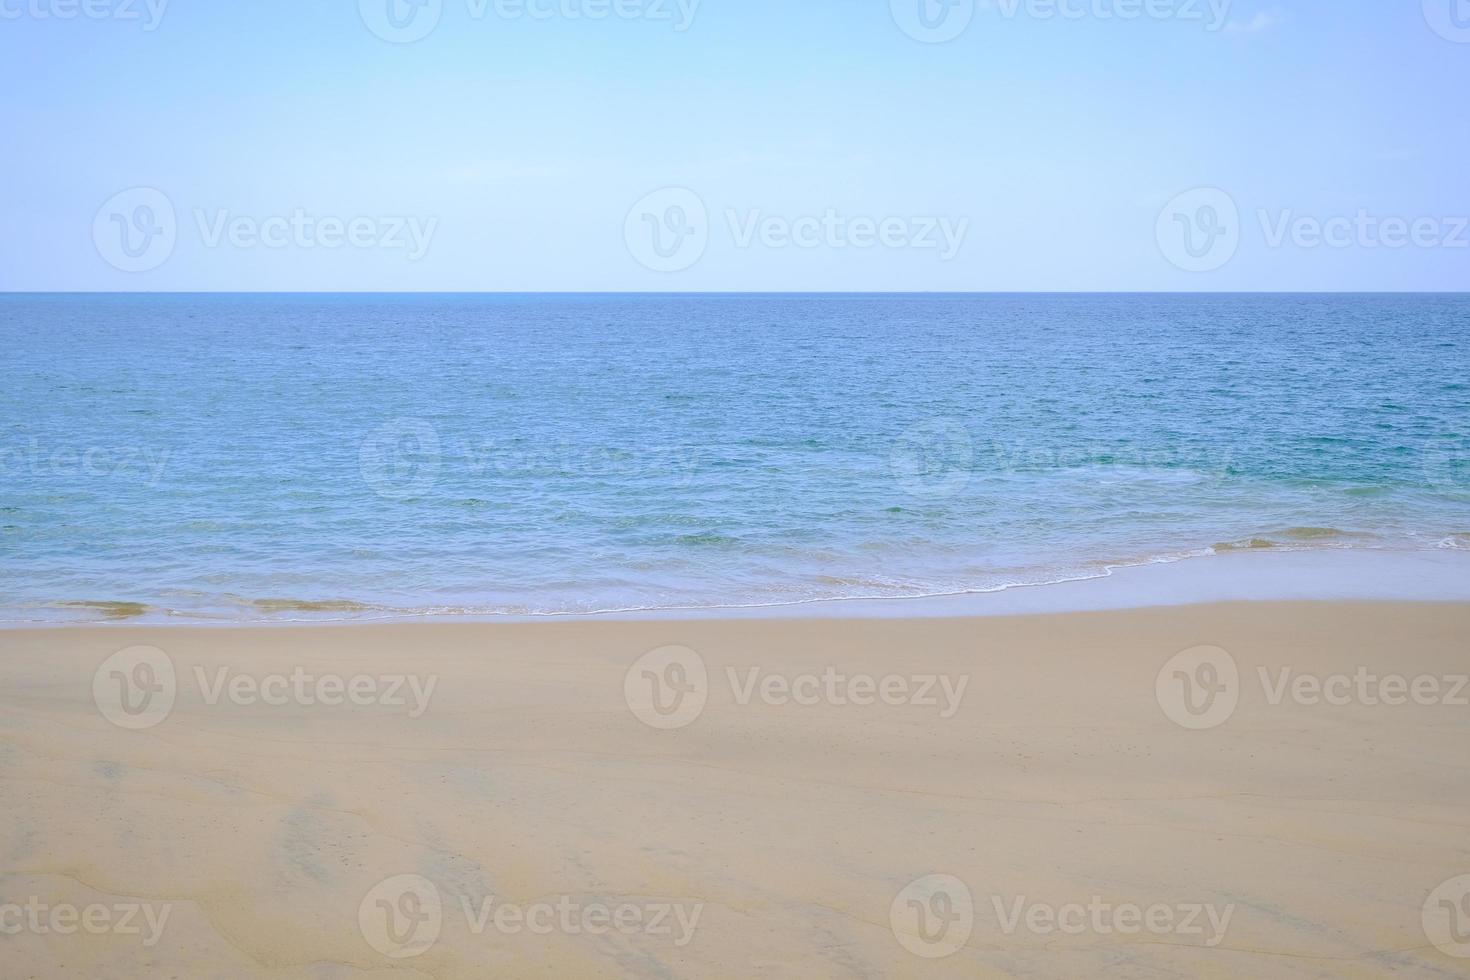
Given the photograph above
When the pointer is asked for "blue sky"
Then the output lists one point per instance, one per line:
(814, 145)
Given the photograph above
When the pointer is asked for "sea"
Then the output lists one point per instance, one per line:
(265, 458)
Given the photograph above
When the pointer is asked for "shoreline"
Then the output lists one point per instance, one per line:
(1277, 575)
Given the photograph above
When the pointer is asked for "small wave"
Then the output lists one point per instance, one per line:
(1249, 544)
(708, 539)
(1459, 541)
(112, 610)
(861, 582)
(1314, 533)
(1291, 537)
(310, 605)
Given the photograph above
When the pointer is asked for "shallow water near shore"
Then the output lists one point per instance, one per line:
(267, 458)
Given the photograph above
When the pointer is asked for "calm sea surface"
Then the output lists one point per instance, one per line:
(287, 457)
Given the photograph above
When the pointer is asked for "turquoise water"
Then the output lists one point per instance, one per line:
(288, 457)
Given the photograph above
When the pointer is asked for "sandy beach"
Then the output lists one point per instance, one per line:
(656, 489)
(1042, 795)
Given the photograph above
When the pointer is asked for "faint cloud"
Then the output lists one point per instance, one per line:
(1264, 20)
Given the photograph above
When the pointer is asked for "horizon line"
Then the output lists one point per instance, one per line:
(727, 292)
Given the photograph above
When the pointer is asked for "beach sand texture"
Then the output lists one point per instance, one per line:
(779, 839)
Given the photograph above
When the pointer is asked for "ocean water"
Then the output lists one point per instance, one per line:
(297, 457)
